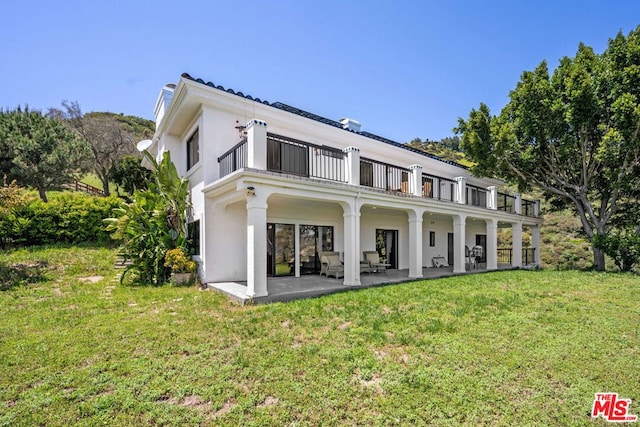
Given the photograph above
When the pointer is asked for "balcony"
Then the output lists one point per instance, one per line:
(294, 157)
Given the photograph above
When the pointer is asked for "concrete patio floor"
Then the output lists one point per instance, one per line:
(288, 288)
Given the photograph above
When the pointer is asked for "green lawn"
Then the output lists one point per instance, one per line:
(506, 348)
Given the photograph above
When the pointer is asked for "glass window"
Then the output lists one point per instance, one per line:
(193, 150)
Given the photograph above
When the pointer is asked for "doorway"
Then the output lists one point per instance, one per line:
(387, 246)
(313, 240)
(450, 248)
(280, 249)
(481, 240)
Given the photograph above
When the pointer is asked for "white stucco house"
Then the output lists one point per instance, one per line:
(272, 186)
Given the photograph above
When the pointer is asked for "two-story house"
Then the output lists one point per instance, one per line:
(272, 186)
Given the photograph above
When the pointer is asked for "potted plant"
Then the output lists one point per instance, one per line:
(182, 268)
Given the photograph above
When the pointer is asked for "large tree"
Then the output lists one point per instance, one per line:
(39, 151)
(111, 136)
(573, 134)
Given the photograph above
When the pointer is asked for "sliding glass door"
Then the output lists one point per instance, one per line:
(313, 240)
(281, 247)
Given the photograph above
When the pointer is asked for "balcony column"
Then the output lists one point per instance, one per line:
(415, 243)
(352, 165)
(459, 232)
(535, 243)
(517, 203)
(351, 244)
(536, 208)
(492, 197)
(492, 244)
(516, 237)
(461, 190)
(256, 144)
(415, 180)
(257, 245)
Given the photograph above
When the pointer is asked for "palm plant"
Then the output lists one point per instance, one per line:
(153, 223)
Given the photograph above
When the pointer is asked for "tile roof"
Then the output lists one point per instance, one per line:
(317, 118)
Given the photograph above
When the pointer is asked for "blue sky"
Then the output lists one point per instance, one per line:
(403, 69)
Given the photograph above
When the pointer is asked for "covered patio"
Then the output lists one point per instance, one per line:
(289, 288)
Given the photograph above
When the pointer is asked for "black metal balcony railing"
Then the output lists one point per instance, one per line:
(384, 176)
(506, 202)
(505, 255)
(476, 196)
(295, 157)
(291, 156)
(435, 187)
(528, 207)
(234, 159)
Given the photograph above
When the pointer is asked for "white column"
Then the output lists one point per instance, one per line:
(517, 203)
(352, 165)
(516, 237)
(492, 197)
(256, 246)
(351, 245)
(461, 190)
(492, 244)
(415, 243)
(257, 144)
(459, 230)
(536, 208)
(415, 180)
(535, 243)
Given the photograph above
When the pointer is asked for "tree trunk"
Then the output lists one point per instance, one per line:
(105, 186)
(598, 259)
(43, 194)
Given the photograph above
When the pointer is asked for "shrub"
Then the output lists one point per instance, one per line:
(178, 261)
(67, 218)
(153, 223)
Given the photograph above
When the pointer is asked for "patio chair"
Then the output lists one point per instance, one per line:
(375, 264)
(476, 255)
(330, 264)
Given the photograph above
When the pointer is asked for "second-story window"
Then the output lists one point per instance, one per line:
(193, 150)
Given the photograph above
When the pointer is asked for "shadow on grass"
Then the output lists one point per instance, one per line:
(14, 275)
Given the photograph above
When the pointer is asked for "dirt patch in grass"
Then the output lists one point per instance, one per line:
(269, 401)
(226, 407)
(91, 279)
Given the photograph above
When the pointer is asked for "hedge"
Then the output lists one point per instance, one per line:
(67, 217)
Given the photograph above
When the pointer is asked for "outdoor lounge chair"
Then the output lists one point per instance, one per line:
(375, 264)
(476, 255)
(330, 264)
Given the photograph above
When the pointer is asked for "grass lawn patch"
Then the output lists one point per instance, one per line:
(504, 348)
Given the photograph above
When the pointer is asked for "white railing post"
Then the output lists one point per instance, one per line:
(415, 183)
(352, 165)
(257, 144)
(517, 203)
(492, 197)
(461, 190)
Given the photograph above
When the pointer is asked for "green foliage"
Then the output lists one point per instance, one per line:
(153, 223)
(621, 245)
(38, 151)
(67, 217)
(573, 134)
(514, 348)
(446, 149)
(11, 196)
(177, 261)
(129, 174)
